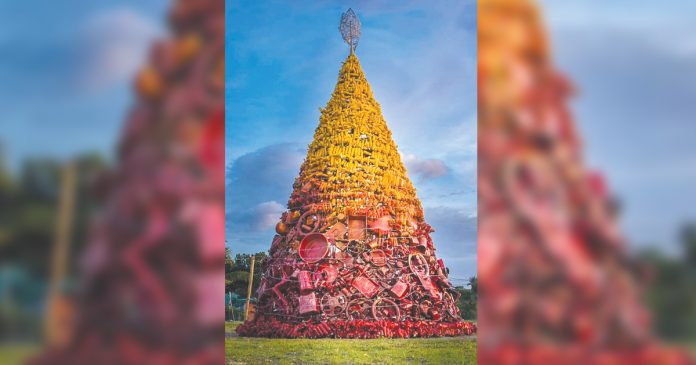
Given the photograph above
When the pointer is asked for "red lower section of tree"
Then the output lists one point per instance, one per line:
(271, 327)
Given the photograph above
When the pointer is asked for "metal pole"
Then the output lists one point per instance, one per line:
(251, 283)
(350, 24)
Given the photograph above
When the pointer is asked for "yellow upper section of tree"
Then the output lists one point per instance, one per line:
(353, 166)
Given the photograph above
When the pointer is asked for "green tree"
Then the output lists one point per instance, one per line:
(468, 298)
(29, 200)
(237, 271)
(671, 292)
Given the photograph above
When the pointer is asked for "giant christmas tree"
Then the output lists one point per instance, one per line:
(353, 256)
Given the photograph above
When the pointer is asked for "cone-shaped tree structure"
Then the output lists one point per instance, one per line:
(352, 165)
(353, 255)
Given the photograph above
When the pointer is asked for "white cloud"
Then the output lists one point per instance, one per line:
(115, 43)
(266, 215)
(425, 169)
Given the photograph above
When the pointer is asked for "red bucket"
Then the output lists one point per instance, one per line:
(366, 286)
(399, 289)
(314, 247)
(305, 281)
(308, 304)
(378, 258)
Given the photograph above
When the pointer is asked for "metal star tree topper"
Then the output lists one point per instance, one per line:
(350, 29)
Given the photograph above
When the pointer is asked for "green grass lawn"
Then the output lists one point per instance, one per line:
(689, 345)
(230, 327)
(17, 354)
(242, 350)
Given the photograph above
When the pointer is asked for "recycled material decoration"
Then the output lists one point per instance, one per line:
(353, 256)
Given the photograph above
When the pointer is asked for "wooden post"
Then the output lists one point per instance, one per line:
(64, 225)
(59, 314)
(251, 283)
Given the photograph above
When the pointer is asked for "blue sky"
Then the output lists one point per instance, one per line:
(65, 72)
(283, 58)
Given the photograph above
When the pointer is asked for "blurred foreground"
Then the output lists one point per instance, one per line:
(558, 284)
(124, 264)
